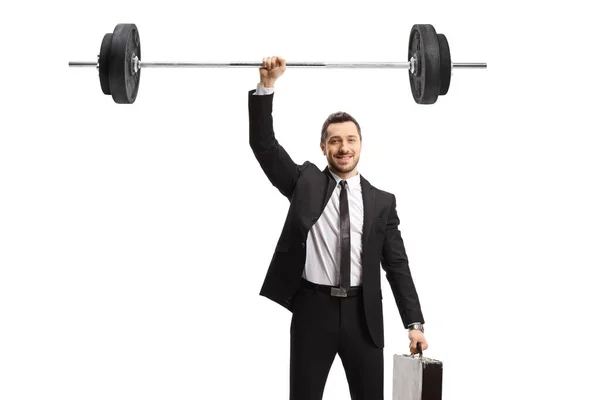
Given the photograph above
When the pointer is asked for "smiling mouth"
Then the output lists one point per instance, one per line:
(344, 158)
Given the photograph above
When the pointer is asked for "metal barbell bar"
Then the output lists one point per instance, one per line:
(430, 66)
(303, 64)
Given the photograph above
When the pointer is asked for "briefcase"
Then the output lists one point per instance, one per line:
(416, 378)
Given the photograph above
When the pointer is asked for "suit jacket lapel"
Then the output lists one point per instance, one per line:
(368, 195)
(330, 187)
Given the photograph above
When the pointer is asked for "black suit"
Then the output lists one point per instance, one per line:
(308, 189)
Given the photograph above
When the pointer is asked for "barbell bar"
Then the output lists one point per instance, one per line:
(429, 64)
(242, 64)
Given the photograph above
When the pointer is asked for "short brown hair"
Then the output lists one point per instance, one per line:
(337, 117)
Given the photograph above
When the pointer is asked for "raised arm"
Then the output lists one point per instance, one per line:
(272, 157)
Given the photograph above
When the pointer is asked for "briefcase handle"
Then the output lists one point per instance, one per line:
(420, 351)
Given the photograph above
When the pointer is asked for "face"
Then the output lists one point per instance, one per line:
(342, 148)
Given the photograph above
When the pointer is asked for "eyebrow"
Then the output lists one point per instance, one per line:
(339, 137)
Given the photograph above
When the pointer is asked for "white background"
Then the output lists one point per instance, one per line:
(134, 239)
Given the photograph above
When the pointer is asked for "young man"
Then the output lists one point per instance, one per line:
(325, 268)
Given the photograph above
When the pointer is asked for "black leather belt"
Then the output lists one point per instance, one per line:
(332, 290)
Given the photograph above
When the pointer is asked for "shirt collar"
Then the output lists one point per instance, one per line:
(353, 182)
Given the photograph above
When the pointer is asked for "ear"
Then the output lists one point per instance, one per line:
(322, 148)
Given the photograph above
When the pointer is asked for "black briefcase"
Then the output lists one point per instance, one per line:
(417, 378)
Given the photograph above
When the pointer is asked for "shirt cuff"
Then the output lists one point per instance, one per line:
(261, 91)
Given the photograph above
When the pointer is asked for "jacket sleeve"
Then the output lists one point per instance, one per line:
(395, 263)
(276, 163)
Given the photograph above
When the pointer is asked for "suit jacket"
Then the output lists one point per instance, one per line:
(308, 189)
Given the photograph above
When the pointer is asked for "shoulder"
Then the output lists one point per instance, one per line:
(382, 194)
(308, 166)
(309, 171)
(387, 198)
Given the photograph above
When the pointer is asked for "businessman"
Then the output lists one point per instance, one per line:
(338, 231)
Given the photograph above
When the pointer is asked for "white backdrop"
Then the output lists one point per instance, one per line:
(134, 239)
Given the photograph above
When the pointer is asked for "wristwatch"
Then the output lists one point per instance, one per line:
(416, 325)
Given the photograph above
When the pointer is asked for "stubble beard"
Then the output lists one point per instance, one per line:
(343, 169)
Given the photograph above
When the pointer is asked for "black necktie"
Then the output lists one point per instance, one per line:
(345, 237)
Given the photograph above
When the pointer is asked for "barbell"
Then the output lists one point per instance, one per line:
(429, 64)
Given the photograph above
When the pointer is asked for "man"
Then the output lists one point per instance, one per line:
(325, 268)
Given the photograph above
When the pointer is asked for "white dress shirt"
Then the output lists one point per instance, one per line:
(323, 246)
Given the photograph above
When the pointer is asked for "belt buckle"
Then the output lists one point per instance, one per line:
(338, 292)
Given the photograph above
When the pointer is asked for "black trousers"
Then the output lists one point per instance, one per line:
(323, 326)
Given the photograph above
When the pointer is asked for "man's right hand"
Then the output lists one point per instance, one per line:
(273, 68)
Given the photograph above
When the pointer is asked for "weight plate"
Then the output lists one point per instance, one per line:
(445, 64)
(425, 82)
(103, 63)
(124, 83)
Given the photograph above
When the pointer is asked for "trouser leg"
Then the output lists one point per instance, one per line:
(362, 360)
(313, 343)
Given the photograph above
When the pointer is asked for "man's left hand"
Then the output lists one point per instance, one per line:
(416, 336)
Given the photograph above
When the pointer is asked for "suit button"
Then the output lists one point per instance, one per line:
(303, 245)
(314, 219)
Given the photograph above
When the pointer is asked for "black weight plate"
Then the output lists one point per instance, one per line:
(445, 64)
(426, 81)
(103, 63)
(125, 44)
